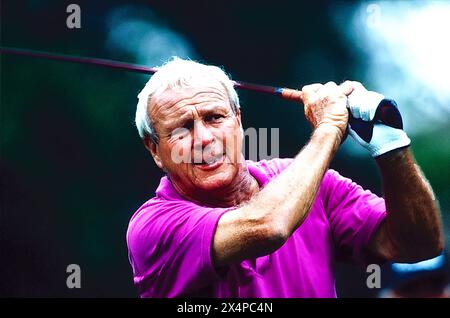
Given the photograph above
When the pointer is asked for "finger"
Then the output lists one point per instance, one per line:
(355, 85)
(351, 86)
(329, 89)
(292, 94)
(330, 85)
(358, 85)
(355, 101)
(309, 91)
(347, 87)
(363, 103)
(312, 88)
(371, 103)
(359, 104)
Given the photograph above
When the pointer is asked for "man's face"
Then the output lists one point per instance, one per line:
(200, 138)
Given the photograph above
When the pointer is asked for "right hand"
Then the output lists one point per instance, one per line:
(326, 105)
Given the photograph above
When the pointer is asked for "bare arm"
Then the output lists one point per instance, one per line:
(266, 222)
(412, 230)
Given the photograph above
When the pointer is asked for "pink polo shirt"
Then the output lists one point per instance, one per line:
(169, 243)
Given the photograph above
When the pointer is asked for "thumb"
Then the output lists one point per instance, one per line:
(347, 87)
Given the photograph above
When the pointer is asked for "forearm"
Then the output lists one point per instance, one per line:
(288, 198)
(262, 225)
(413, 224)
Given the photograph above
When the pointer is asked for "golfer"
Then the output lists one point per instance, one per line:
(222, 226)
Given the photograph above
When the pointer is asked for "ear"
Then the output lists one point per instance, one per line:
(154, 151)
(238, 116)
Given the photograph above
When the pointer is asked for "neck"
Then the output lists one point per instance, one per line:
(240, 190)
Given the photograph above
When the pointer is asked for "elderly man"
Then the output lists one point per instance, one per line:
(220, 226)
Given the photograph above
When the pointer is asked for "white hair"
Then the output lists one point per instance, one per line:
(179, 73)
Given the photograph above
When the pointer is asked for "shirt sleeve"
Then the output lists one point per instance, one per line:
(170, 248)
(354, 215)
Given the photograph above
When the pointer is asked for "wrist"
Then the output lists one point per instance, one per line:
(329, 130)
(394, 163)
(393, 157)
(329, 133)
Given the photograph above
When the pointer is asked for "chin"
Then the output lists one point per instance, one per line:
(214, 184)
(216, 181)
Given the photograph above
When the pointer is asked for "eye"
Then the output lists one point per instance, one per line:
(180, 133)
(213, 118)
(188, 125)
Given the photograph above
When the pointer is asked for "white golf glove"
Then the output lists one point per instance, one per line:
(363, 105)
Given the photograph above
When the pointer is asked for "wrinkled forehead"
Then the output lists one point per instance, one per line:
(172, 99)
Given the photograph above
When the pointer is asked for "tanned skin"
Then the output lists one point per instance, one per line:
(266, 218)
(413, 230)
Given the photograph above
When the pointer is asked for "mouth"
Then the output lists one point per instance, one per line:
(210, 163)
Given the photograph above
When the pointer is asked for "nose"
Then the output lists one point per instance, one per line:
(203, 135)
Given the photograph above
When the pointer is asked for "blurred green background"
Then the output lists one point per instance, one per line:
(73, 169)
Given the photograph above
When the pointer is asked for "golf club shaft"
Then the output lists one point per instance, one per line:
(285, 93)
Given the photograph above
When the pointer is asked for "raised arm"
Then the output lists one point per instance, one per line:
(266, 222)
(412, 230)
